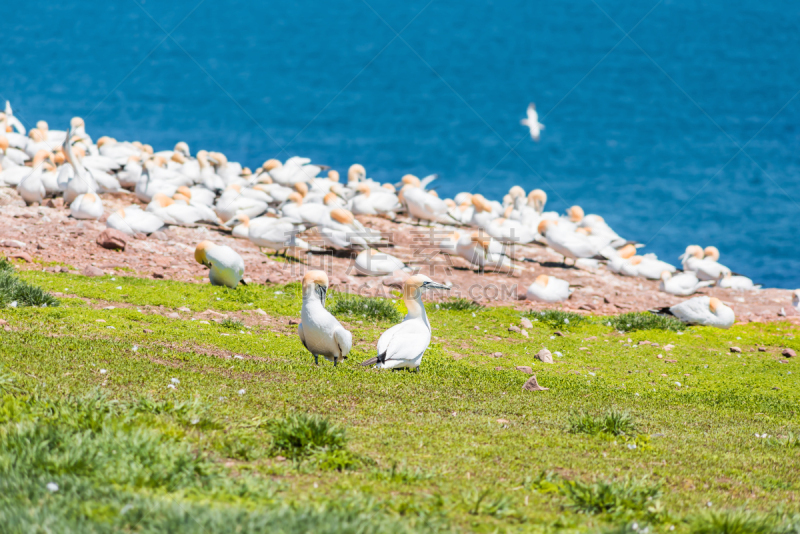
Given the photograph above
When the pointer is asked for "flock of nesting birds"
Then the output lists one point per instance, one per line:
(274, 205)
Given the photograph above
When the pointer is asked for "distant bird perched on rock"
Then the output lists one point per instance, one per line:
(404, 344)
(796, 299)
(683, 284)
(226, 266)
(86, 206)
(532, 122)
(319, 331)
(728, 281)
(704, 311)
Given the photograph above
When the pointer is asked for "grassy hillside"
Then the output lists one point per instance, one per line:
(151, 406)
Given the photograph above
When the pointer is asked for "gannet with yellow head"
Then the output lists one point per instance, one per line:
(319, 331)
(226, 266)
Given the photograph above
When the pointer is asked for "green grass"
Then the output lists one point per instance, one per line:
(459, 304)
(371, 309)
(613, 422)
(734, 522)
(16, 292)
(558, 319)
(253, 437)
(630, 322)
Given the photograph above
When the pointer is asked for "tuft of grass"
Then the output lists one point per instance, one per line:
(233, 324)
(616, 498)
(373, 309)
(629, 322)
(734, 522)
(300, 435)
(557, 318)
(13, 290)
(459, 304)
(614, 422)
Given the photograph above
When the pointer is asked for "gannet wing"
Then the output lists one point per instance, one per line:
(532, 115)
(404, 341)
(428, 179)
(344, 340)
(302, 336)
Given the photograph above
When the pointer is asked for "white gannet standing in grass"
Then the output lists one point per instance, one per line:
(226, 266)
(532, 122)
(371, 262)
(319, 331)
(549, 289)
(682, 284)
(729, 281)
(404, 344)
(796, 299)
(86, 206)
(704, 311)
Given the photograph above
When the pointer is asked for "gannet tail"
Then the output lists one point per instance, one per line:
(371, 361)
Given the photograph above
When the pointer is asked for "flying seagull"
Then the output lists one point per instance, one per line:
(532, 122)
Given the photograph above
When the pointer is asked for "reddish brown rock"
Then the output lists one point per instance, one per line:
(525, 369)
(544, 356)
(24, 256)
(112, 239)
(788, 353)
(12, 243)
(532, 385)
(91, 270)
(736, 350)
(56, 203)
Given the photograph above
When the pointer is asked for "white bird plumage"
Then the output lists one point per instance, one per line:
(319, 331)
(532, 122)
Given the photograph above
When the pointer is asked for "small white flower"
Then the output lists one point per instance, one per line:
(552, 337)
(277, 293)
(558, 354)
(636, 394)
(111, 327)
(437, 306)
(119, 287)
(103, 371)
(135, 348)
(705, 366)
(171, 386)
(473, 313)
(52, 487)
(635, 526)
(113, 278)
(591, 373)
(13, 304)
(632, 446)
(678, 384)
(608, 324)
(174, 380)
(566, 321)
(709, 504)
(237, 357)
(738, 338)
(241, 392)
(195, 420)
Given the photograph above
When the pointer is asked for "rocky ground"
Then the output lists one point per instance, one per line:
(45, 237)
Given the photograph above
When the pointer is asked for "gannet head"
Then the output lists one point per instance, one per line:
(516, 192)
(415, 285)
(271, 164)
(411, 180)
(90, 197)
(302, 188)
(163, 200)
(148, 148)
(240, 219)
(43, 126)
(76, 123)
(137, 144)
(545, 225)
(713, 304)
(364, 189)
(711, 252)
(330, 199)
(583, 231)
(796, 298)
(59, 157)
(542, 280)
(160, 161)
(333, 175)
(636, 260)
(390, 187)
(3, 143)
(182, 148)
(105, 139)
(178, 157)
(433, 193)
(356, 173)
(693, 250)
(575, 214)
(316, 283)
(36, 135)
(481, 239)
(246, 172)
(450, 203)
(481, 204)
(665, 275)
(295, 197)
(537, 199)
(40, 156)
(218, 158)
(628, 251)
(200, 252)
(185, 191)
(342, 216)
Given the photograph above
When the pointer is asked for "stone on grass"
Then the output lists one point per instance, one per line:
(736, 349)
(173, 315)
(24, 256)
(788, 353)
(91, 270)
(525, 369)
(532, 385)
(497, 354)
(514, 328)
(12, 243)
(112, 239)
(544, 356)
(526, 323)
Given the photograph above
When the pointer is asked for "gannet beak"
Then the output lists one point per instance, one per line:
(435, 285)
(322, 292)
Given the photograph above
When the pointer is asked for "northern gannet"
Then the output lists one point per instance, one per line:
(704, 311)
(682, 284)
(532, 122)
(319, 331)
(30, 187)
(133, 220)
(371, 262)
(729, 281)
(404, 344)
(226, 266)
(796, 299)
(86, 206)
(422, 204)
(549, 289)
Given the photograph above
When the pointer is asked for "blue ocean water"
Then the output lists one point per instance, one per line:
(684, 131)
